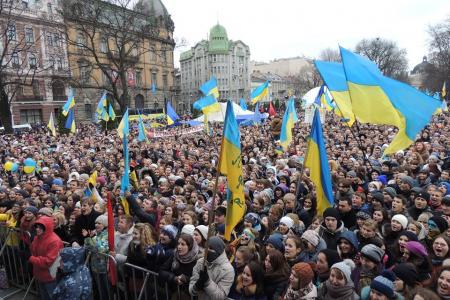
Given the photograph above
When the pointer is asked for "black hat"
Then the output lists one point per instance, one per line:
(331, 212)
(332, 256)
(407, 273)
(440, 222)
(221, 211)
(423, 195)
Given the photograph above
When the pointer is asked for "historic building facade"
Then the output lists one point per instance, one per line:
(220, 57)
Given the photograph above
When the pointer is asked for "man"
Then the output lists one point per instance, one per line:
(420, 205)
(215, 280)
(331, 227)
(86, 220)
(44, 251)
(148, 213)
(346, 212)
(219, 216)
(436, 200)
(122, 238)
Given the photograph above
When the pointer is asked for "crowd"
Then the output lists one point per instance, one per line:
(386, 237)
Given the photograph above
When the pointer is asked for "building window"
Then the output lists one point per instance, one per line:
(164, 56)
(139, 78)
(51, 63)
(32, 61)
(165, 81)
(31, 116)
(88, 110)
(12, 36)
(29, 35)
(36, 89)
(49, 39)
(15, 60)
(104, 45)
(84, 73)
(105, 79)
(59, 63)
(49, 8)
(154, 79)
(152, 54)
(81, 42)
(56, 40)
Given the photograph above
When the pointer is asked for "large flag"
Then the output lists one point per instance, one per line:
(444, 91)
(69, 103)
(171, 114)
(101, 103)
(333, 75)
(123, 129)
(70, 121)
(230, 164)
(378, 99)
(243, 104)
(272, 111)
(142, 137)
(259, 92)
(210, 88)
(51, 124)
(207, 105)
(257, 115)
(289, 119)
(326, 100)
(317, 163)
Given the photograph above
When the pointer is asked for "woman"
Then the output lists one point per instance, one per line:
(250, 284)
(158, 254)
(416, 254)
(276, 274)
(441, 251)
(59, 221)
(340, 285)
(177, 270)
(242, 257)
(301, 283)
(200, 235)
(399, 246)
(325, 260)
(312, 245)
(292, 250)
(443, 283)
(348, 245)
(407, 279)
(417, 228)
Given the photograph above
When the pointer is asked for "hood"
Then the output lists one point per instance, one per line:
(71, 259)
(321, 245)
(351, 237)
(47, 222)
(283, 187)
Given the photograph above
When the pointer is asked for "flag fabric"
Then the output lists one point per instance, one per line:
(171, 114)
(210, 88)
(70, 103)
(444, 90)
(257, 115)
(111, 264)
(243, 104)
(317, 163)
(111, 113)
(51, 124)
(230, 164)
(326, 100)
(259, 92)
(105, 116)
(333, 75)
(289, 119)
(272, 111)
(123, 129)
(378, 99)
(70, 122)
(317, 101)
(142, 137)
(101, 103)
(207, 105)
(153, 88)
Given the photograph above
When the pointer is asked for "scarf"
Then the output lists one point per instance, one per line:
(345, 292)
(292, 294)
(187, 258)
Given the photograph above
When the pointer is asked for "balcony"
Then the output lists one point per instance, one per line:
(29, 99)
(60, 72)
(59, 98)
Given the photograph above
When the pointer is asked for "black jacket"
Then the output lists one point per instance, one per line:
(84, 222)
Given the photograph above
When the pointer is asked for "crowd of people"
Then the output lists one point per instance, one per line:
(387, 235)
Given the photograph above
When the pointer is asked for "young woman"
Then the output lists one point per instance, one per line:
(301, 283)
(443, 283)
(407, 279)
(59, 220)
(440, 252)
(164, 249)
(292, 250)
(340, 285)
(276, 274)
(200, 235)
(242, 257)
(416, 254)
(250, 284)
(325, 260)
(348, 245)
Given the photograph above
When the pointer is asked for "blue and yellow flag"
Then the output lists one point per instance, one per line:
(70, 121)
(123, 131)
(260, 92)
(333, 75)
(289, 119)
(142, 137)
(111, 113)
(378, 99)
(317, 163)
(124, 128)
(101, 103)
(210, 88)
(171, 114)
(51, 125)
(69, 103)
(230, 164)
(243, 104)
(207, 105)
(257, 115)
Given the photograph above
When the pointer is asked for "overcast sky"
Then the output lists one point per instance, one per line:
(286, 28)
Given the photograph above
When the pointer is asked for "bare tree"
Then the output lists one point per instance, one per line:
(19, 61)
(329, 54)
(113, 37)
(391, 60)
(308, 78)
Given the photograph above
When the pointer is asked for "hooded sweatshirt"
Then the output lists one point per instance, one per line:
(44, 250)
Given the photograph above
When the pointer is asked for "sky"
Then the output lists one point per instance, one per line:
(288, 28)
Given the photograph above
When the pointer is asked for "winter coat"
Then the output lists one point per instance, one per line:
(100, 248)
(308, 256)
(221, 277)
(121, 243)
(28, 232)
(158, 254)
(275, 284)
(84, 222)
(276, 125)
(329, 237)
(44, 251)
(76, 281)
(248, 292)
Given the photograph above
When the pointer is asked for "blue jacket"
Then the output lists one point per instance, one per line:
(76, 281)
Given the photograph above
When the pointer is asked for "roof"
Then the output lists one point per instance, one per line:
(423, 67)
(218, 39)
(152, 7)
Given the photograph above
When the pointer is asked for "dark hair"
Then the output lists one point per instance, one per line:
(257, 276)
(278, 262)
(401, 197)
(188, 239)
(346, 199)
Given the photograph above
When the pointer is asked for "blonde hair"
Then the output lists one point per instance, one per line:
(60, 218)
(147, 236)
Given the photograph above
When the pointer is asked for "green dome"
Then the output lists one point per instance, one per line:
(218, 39)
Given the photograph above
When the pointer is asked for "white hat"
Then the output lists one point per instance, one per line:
(203, 229)
(287, 221)
(401, 219)
(102, 219)
(188, 229)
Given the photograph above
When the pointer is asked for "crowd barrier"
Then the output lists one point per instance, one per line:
(132, 282)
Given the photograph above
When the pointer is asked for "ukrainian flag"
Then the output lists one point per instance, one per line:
(207, 105)
(210, 88)
(70, 122)
(317, 163)
(289, 119)
(260, 92)
(111, 113)
(230, 164)
(69, 103)
(123, 129)
(142, 132)
(326, 100)
(171, 114)
(51, 124)
(102, 103)
(381, 100)
(243, 104)
(333, 75)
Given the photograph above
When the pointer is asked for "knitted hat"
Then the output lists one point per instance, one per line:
(188, 229)
(331, 212)
(254, 219)
(377, 195)
(215, 243)
(372, 252)
(407, 273)
(203, 230)
(401, 219)
(32, 210)
(409, 180)
(440, 222)
(390, 191)
(304, 272)
(383, 285)
(46, 211)
(410, 235)
(170, 230)
(287, 221)
(58, 181)
(346, 267)
(363, 215)
(416, 248)
(276, 240)
(312, 237)
(423, 195)
(332, 256)
(352, 174)
(102, 219)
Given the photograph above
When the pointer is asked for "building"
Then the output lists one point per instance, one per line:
(130, 58)
(35, 48)
(283, 66)
(418, 74)
(220, 57)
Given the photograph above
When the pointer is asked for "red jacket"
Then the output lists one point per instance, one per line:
(45, 250)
